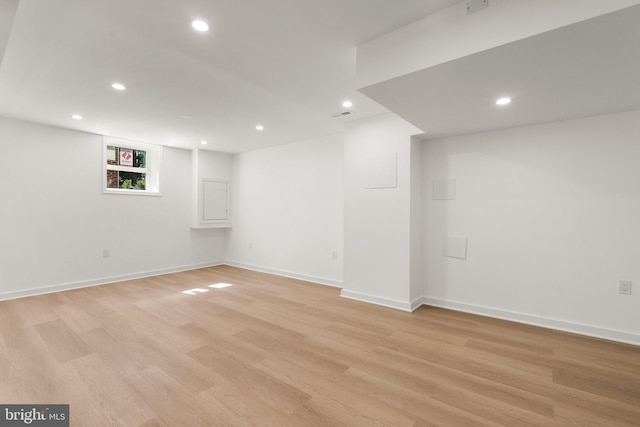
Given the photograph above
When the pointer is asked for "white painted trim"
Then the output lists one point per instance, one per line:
(416, 303)
(284, 273)
(152, 171)
(577, 328)
(560, 325)
(385, 302)
(103, 281)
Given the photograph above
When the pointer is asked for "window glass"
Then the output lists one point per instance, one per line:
(127, 167)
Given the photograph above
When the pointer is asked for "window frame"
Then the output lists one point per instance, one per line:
(152, 169)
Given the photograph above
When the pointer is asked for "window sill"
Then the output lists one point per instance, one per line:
(216, 225)
(131, 192)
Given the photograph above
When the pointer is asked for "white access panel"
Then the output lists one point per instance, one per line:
(214, 200)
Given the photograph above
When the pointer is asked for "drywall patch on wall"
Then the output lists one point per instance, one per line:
(381, 171)
(444, 189)
(455, 247)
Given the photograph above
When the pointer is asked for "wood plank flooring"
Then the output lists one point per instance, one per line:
(273, 351)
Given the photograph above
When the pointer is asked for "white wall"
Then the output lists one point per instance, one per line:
(287, 204)
(552, 217)
(415, 222)
(378, 221)
(55, 221)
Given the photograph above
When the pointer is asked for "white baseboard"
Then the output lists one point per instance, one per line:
(561, 325)
(577, 328)
(103, 281)
(386, 302)
(416, 303)
(284, 273)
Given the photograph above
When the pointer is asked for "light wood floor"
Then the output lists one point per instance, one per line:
(272, 351)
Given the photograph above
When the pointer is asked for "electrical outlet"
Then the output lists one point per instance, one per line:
(250, 245)
(624, 287)
(334, 255)
(106, 253)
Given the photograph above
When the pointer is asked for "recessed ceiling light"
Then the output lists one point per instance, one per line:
(118, 86)
(76, 116)
(186, 117)
(347, 104)
(203, 142)
(200, 25)
(259, 127)
(503, 101)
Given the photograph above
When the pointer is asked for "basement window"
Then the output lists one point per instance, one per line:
(131, 167)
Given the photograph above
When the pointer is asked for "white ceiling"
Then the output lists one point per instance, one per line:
(286, 64)
(584, 69)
